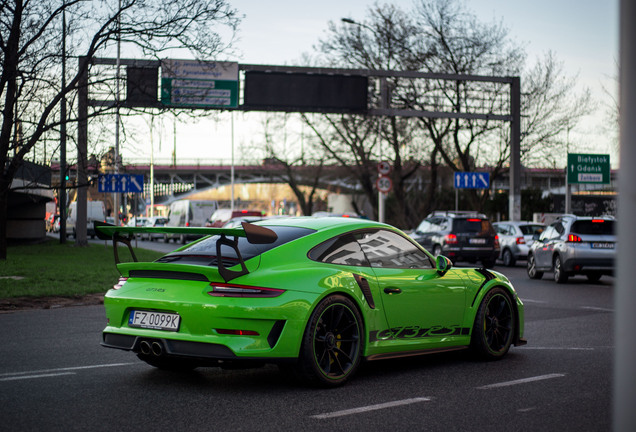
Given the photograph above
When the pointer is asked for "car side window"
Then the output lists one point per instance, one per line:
(560, 229)
(344, 250)
(387, 249)
(503, 229)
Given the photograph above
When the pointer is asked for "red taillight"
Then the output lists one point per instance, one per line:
(451, 239)
(573, 238)
(120, 283)
(228, 290)
(237, 332)
(473, 220)
(597, 221)
(496, 241)
(521, 240)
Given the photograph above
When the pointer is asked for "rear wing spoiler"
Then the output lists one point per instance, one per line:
(255, 234)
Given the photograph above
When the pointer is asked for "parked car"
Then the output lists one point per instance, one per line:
(459, 235)
(515, 239)
(574, 245)
(314, 295)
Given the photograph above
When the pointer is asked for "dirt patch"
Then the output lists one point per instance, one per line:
(21, 303)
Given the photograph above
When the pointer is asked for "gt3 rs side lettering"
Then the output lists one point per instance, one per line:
(415, 332)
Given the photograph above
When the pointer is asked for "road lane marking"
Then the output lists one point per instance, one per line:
(599, 309)
(532, 301)
(371, 408)
(23, 377)
(520, 381)
(67, 369)
(558, 348)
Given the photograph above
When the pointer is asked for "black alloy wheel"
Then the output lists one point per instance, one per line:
(494, 326)
(332, 344)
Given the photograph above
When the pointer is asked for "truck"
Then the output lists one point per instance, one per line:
(95, 211)
(188, 213)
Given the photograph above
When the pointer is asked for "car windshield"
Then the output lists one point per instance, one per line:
(204, 252)
(593, 226)
(473, 225)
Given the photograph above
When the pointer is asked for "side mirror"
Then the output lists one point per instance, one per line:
(443, 264)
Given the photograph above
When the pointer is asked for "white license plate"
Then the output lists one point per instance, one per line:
(599, 245)
(480, 241)
(154, 320)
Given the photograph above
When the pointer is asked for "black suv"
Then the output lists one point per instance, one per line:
(459, 235)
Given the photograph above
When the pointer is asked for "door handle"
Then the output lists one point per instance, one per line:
(392, 290)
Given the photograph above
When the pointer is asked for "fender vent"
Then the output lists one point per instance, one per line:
(366, 289)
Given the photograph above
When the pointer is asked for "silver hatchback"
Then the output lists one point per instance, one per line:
(515, 239)
(574, 245)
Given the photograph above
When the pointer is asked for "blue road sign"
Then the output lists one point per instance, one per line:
(472, 180)
(120, 183)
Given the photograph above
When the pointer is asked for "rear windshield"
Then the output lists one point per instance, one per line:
(204, 252)
(473, 225)
(594, 226)
(531, 229)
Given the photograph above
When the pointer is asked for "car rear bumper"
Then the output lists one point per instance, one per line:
(470, 253)
(589, 265)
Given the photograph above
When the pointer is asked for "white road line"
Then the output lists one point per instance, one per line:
(45, 371)
(371, 408)
(532, 301)
(600, 309)
(525, 347)
(23, 377)
(520, 381)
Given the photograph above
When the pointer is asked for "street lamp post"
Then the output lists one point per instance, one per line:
(381, 195)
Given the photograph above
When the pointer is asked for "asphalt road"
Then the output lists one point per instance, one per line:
(54, 375)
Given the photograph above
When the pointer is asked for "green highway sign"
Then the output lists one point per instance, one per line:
(588, 168)
(199, 84)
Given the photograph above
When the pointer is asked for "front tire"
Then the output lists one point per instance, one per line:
(332, 344)
(533, 273)
(494, 326)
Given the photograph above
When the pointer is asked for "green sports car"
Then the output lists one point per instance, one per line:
(314, 295)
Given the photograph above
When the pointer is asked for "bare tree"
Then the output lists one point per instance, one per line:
(30, 55)
(441, 36)
(302, 168)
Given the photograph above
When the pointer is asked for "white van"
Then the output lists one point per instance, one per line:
(95, 211)
(189, 213)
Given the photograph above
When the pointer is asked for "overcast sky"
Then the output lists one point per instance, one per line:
(582, 33)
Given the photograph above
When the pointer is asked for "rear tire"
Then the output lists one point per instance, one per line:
(533, 273)
(560, 276)
(494, 327)
(508, 259)
(332, 344)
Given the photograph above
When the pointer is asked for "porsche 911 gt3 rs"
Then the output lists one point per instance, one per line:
(317, 295)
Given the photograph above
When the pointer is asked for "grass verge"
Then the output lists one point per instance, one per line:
(54, 269)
